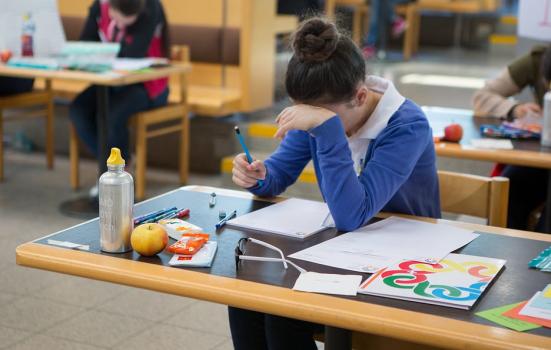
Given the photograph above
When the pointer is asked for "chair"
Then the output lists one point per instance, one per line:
(143, 123)
(31, 99)
(480, 196)
(360, 14)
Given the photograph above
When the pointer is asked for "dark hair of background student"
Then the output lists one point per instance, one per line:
(138, 7)
(326, 66)
(128, 7)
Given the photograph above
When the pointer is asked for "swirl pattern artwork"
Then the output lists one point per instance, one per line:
(457, 280)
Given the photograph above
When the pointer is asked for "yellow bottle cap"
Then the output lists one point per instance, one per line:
(115, 157)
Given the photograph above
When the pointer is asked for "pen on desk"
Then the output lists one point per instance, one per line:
(180, 214)
(245, 149)
(212, 200)
(142, 218)
(226, 219)
(161, 216)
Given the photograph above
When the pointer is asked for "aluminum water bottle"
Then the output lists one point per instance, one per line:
(116, 200)
(546, 129)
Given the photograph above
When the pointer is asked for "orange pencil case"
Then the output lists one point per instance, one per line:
(189, 244)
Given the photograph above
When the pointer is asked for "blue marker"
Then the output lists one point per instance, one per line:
(246, 150)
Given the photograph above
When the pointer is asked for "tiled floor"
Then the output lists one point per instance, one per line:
(44, 310)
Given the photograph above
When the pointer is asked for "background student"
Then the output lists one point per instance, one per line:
(532, 70)
(140, 27)
(528, 186)
(381, 15)
(372, 150)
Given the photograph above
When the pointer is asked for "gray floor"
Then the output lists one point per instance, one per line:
(39, 309)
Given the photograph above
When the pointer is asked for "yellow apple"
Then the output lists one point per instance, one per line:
(149, 239)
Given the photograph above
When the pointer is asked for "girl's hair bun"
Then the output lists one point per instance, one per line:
(315, 40)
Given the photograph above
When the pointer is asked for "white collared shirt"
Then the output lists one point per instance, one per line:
(385, 109)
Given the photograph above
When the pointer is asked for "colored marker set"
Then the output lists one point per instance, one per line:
(167, 213)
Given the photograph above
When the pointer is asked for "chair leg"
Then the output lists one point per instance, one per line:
(408, 37)
(74, 158)
(357, 26)
(50, 127)
(141, 159)
(1, 145)
(417, 27)
(184, 149)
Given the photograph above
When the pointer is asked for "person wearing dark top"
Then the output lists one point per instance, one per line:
(140, 27)
(301, 8)
(13, 86)
(528, 186)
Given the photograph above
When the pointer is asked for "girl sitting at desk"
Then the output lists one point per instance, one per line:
(528, 186)
(140, 27)
(372, 151)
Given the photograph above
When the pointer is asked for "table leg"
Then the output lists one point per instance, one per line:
(337, 338)
(103, 111)
(547, 211)
(88, 206)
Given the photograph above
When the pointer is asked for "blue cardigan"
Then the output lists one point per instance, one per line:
(399, 174)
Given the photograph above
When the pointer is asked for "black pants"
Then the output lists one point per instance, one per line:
(528, 190)
(123, 103)
(12, 86)
(252, 330)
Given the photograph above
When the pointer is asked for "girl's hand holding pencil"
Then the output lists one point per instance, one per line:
(247, 175)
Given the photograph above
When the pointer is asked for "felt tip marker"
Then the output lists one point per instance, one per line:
(245, 149)
(222, 222)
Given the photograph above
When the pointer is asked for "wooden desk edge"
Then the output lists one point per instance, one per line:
(376, 319)
(95, 78)
(512, 157)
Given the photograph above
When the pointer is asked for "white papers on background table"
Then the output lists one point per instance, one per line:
(133, 64)
(388, 241)
(293, 217)
(328, 283)
(491, 144)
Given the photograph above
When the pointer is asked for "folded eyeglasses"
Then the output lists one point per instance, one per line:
(240, 254)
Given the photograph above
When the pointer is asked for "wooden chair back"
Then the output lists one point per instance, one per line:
(480, 196)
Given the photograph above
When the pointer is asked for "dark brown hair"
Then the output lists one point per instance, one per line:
(546, 66)
(326, 66)
(128, 7)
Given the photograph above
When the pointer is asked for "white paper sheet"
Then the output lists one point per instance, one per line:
(293, 217)
(328, 283)
(376, 246)
(491, 144)
(538, 306)
(132, 64)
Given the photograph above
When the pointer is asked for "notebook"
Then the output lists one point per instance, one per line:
(456, 281)
(299, 218)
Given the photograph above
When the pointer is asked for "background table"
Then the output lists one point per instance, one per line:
(266, 287)
(529, 153)
(103, 81)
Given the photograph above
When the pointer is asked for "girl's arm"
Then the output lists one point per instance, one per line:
(493, 99)
(352, 200)
(284, 166)
(90, 30)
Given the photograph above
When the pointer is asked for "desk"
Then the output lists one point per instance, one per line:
(528, 153)
(265, 287)
(103, 81)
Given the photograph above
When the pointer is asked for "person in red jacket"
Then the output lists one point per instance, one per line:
(140, 27)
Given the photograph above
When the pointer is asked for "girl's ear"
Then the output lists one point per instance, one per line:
(361, 96)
